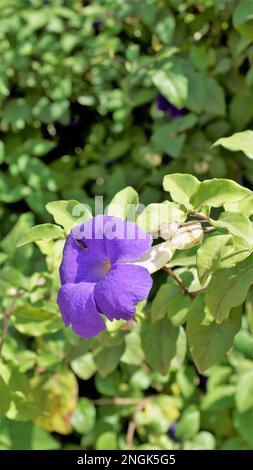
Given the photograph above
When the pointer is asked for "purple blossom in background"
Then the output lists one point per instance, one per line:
(98, 26)
(74, 123)
(172, 431)
(97, 276)
(167, 107)
(203, 379)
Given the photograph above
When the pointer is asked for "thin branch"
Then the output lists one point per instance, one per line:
(184, 289)
(132, 424)
(6, 320)
(138, 403)
(130, 434)
(178, 281)
(118, 401)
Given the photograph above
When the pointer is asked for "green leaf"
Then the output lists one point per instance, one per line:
(203, 441)
(117, 149)
(196, 90)
(243, 18)
(221, 397)
(84, 416)
(185, 381)
(68, 213)
(165, 140)
(133, 354)
(220, 251)
(240, 109)
(228, 289)
(23, 406)
(5, 397)
(240, 141)
(44, 232)
(38, 147)
(214, 101)
(14, 277)
(108, 385)
(181, 346)
(84, 366)
(217, 192)
(36, 321)
(3, 257)
(140, 380)
(234, 252)
(159, 413)
(23, 224)
(2, 152)
(160, 303)
(244, 391)
(209, 341)
(173, 86)
(210, 254)
(169, 301)
(245, 206)
(16, 110)
(189, 423)
(107, 441)
(159, 343)
(181, 187)
(124, 204)
(165, 28)
(202, 56)
(237, 224)
(56, 397)
(244, 344)
(27, 436)
(244, 425)
(107, 359)
(155, 215)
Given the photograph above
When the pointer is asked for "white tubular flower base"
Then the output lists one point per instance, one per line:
(161, 254)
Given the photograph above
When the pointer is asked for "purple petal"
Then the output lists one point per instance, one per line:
(111, 239)
(80, 264)
(175, 112)
(164, 105)
(129, 243)
(123, 287)
(91, 233)
(78, 308)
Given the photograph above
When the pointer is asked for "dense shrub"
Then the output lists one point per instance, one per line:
(96, 96)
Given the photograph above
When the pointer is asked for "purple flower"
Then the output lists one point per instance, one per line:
(98, 274)
(203, 379)
(168, 108)
(98, 26)
(172, 431)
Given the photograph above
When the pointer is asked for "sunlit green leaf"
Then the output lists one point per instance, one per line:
(44, 232)
(208, 341)
(68, 213)
(240, 141)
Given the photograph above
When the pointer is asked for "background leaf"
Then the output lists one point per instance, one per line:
(209, 342)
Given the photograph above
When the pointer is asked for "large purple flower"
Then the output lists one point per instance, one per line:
(98, 275)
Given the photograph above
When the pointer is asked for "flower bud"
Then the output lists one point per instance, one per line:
(187, 237)
(159, 255)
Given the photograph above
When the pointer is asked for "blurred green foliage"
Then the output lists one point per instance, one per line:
(78, 117)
